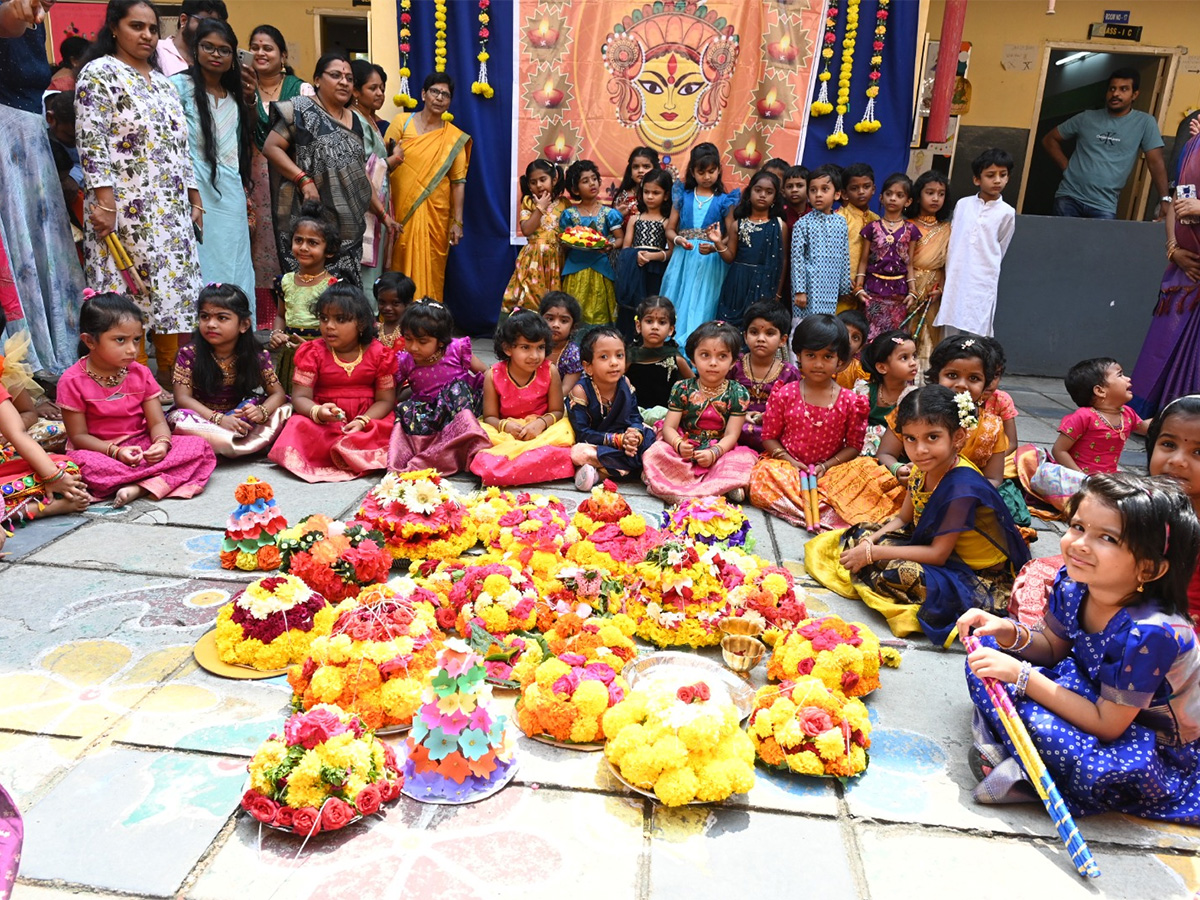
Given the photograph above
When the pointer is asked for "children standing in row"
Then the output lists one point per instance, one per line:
(538, 269)
(857, 190)
(820, 249)
(764, 368)
(645, 250)
(884, 278)
(654, 360)
(588, 274)
(696, 272)
(753, 241)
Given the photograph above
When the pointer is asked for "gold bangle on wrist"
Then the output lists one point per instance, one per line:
(111, 209)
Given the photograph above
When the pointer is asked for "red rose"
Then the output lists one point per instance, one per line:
(814, 720)
(261, 807)
(306, 821)
(686, 694)
(368, 800)
(336, 814)
(805, 666)
(849, 681)
(284, 817)
(389, 756)
(702, 692)
(446, 617)
(389, 789)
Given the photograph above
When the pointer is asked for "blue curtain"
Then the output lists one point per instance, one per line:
(886, 150)
(480, 266)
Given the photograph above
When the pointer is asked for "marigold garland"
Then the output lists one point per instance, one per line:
(869, 123)
(481, 85)
(839, 138)
(439, 42)
(403, 97)
(821, 106)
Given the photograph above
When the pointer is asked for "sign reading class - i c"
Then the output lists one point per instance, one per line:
(1115, 32)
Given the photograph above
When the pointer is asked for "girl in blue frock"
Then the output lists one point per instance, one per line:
(1108, 684)
(753, 242)
(696, 271)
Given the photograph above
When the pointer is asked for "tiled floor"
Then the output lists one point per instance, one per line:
(128, 760)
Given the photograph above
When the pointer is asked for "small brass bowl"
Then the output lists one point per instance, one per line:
(742, 652)
(739, 626)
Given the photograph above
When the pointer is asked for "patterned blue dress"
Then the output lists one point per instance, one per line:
(820, 261)
(693, 280)
(755, 272)
(1143, 658)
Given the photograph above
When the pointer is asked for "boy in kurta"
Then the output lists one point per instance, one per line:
(428, 188)
(820, 252)
(858, 187)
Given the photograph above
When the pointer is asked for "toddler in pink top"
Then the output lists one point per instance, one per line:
(116, 430)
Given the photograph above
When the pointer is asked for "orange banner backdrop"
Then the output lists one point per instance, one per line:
(595, 79)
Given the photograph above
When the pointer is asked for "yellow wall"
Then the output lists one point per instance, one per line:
(1003, 98)
(293, 18)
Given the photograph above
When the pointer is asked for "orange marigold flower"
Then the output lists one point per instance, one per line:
(771, 752)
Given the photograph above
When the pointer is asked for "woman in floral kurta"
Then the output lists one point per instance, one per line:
(133, 138)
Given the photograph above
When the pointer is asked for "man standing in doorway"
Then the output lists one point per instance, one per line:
(1107, 142)
(175, 54)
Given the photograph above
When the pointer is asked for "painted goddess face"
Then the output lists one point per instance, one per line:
(671, 86)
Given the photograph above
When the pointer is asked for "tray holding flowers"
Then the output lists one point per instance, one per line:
(271, 623)
(709, 520)
(335, 558)
(843, 655)
(420, 516)
(583, 237)
(804, 727)
(375, 660)
(685, 744)
(615, 546)
(683, 595)
(324, 772)
(566, 699)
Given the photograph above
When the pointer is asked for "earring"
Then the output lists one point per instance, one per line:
(1141, 587)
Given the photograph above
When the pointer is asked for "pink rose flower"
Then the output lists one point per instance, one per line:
(567, 684)
(616, 694)
(814, 720)
(573, 659)
(312, 728)
(826, 640)
(599, 672)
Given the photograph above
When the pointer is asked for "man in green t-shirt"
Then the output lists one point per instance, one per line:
(1107, 143)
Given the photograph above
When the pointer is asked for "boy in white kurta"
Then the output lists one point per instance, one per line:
(981, 232)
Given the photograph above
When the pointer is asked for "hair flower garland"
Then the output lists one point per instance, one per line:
(839, 138)
(821, 106)
(481, 85)
(968, 414)
(869, 123)
(439, 43)
(403, 97)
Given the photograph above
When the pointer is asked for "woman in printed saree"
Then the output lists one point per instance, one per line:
(429, 186)
(963, 549)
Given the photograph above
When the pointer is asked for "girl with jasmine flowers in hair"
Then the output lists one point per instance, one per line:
(953, 544)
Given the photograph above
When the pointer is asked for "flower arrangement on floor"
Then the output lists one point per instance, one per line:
(325, 771)
(419, 515)
(604, 506)
(458, 747)
(683, 596)
(271, 623)
(844, 656)
(804, 727)
(532, 533)
(680, 743)
(709, 520)
(582, 591)
(499, 597)
(768, 593)
(376, 660)
(568, 697)
(485, 507)
(616, 546)
(607, 640)
(334, 558)
(503, 654)
(250, 533)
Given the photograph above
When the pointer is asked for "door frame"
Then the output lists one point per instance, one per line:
(350, 12)
(1166, 85)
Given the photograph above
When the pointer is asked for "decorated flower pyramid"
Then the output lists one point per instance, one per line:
(459, 747)
(806, 728)
(683, 595)
(419, 515)
(709, 520)
(768, 596)
(271, 623)
(250, 533)
(376, 659)
(335, 558)
(845, 656)
(606, 532)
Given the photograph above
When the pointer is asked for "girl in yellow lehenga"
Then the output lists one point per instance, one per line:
(928, 260)
(963, 549)
(862, 492)
(429, 186)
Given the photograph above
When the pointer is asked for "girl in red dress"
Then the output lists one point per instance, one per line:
(344, 395)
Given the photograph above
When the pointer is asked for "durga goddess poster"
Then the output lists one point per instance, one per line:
(596, 79)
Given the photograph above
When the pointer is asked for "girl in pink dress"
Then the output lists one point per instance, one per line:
(437, 425)
(116, 431)
(523, 409)
(698, 455)
(344, 395)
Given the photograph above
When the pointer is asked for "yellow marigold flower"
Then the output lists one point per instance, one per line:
(806, 763)
(550, 671)
(704, 733)
(641, 767)
(400, 698)
(776, 584)
(831, 744)
(782, 710)
(677, 788)
(670, 752)
(592, 698)
(585, 729)
(327, 684)
(763, 726)
(789, 734)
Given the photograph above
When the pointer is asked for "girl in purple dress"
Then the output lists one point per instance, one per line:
(885, 270)
(437, 424)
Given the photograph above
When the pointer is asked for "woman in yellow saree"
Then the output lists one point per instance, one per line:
(429, 186)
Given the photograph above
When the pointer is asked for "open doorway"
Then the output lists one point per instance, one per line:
(1074, 77)
(344, 30)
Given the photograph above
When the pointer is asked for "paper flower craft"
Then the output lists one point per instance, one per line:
(804, 727)
(709, 520)
(250, 533)
(334, 558)
(325, 771)
(419, 515)
(567, 698)
(376, 659)
(684, 751)
(844, 656)
(458, 746)
(271, 623)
